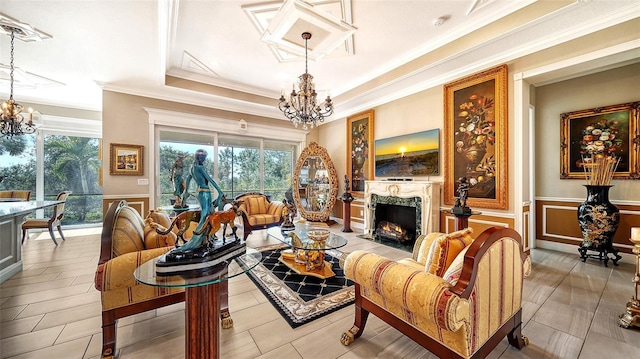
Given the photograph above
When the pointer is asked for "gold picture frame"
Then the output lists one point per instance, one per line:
(126, 159)
(359, 151)
(583, 135)
(475, 137)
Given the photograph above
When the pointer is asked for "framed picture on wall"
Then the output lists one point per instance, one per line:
(602, 131)
(126, 159)
(359, 151)
(415, 154)
(475, 137)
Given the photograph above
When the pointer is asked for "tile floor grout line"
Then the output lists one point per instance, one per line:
(595, 310)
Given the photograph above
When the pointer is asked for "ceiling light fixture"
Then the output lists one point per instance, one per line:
(301, 107)
(11, 121)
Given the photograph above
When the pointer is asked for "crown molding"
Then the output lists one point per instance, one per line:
(236, 86)
(533, 37)
(447, 38)
(179, 95)
(189, 120)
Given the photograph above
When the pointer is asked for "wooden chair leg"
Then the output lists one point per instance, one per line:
(225, 315)
(24, 234)
(60, 231)
(53, 236)
(515, 336)
(108, 336)
(360, 321)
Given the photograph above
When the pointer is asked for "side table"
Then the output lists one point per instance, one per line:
(206, 297)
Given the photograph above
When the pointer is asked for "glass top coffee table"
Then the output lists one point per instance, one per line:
(306, 255)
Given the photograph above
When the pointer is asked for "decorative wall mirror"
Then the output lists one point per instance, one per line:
(315, 184)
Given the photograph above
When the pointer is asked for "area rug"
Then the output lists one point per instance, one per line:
(301, 298)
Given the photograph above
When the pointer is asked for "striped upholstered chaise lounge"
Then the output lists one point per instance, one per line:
(457, 296)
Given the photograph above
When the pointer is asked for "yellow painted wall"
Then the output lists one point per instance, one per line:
(126, 121)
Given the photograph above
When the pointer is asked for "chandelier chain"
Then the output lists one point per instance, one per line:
(13, 32)
(12, 123)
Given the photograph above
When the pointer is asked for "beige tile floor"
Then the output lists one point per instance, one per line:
(51, 310)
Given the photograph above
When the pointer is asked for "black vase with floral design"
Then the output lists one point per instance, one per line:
(598, 219)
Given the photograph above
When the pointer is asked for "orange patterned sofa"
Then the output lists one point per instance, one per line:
(127, 242)
(457, 296)
(258, 212)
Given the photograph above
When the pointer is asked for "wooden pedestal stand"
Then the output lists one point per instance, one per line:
(462, 215)
(346, 198)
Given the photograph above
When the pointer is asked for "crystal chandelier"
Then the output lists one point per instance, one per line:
(11, 121)
(301, 107)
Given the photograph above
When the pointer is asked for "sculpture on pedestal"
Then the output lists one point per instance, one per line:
(197, 246)
(289, 214)
(460, 206)
(178, 182)
(346, 198)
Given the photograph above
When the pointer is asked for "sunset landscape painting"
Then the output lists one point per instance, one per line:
(411, 155)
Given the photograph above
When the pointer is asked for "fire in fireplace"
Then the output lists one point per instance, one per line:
(393, 231)
(398, 221)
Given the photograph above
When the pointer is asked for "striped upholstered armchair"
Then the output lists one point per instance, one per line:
(457, 296)
(127, 242)
(259, 212)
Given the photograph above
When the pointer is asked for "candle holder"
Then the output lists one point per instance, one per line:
(632, 316)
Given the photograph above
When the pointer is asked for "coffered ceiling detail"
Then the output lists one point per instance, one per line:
(280, 26)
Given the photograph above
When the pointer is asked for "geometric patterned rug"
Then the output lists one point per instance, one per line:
(301, 298)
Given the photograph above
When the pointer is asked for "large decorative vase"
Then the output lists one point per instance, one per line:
(598, 219)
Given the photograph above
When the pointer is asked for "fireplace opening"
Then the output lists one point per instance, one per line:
(394, 222)
(392, 231)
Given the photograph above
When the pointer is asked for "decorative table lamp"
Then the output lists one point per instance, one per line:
(632, 316)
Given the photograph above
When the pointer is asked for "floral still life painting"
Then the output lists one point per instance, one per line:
(360, 151)
(475, 138)
(588, 135)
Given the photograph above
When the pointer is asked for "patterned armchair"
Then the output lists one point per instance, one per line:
(457, 297)
(127, 242)
(258, 212)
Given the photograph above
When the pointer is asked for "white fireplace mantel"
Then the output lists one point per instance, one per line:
(428, 192)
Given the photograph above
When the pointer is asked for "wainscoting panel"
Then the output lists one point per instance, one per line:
(478, 222)
(557, 221)
(357, 210)
(140, 204)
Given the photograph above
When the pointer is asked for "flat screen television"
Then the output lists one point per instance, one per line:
(416, 154)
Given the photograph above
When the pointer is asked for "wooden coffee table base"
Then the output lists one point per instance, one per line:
(203, 321)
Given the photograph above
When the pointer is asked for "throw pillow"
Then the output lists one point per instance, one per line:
(445, 249)
(153, 239)
(452, 274)
(159, 217)
(421, 253)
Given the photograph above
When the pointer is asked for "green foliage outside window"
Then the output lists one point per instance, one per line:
(238, 168)
(70, 164)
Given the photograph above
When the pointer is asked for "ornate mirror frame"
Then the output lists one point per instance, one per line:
(315, 150)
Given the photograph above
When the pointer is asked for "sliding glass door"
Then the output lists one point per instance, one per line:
(238, 164)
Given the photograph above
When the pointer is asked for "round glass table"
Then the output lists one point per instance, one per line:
(306, 255)
(206, 299)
